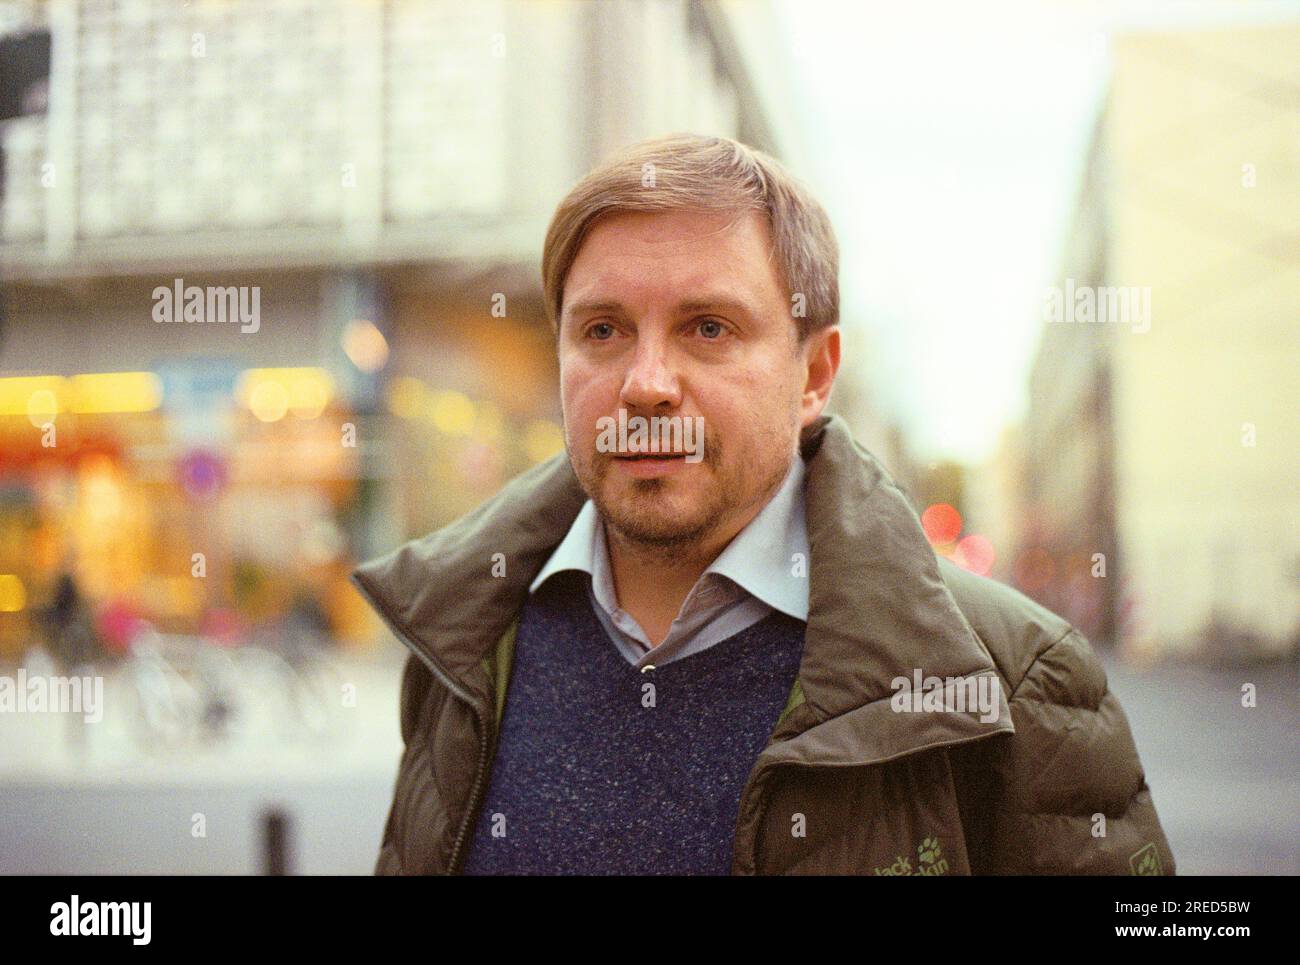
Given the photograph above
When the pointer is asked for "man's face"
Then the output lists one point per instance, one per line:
(684, 314)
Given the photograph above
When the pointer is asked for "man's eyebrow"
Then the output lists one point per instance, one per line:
(726, 303)
(703, 304)
(592, 307)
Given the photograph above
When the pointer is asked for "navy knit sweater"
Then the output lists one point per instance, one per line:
(588, 779)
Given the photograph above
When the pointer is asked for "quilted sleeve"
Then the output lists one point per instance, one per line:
(1068, 794)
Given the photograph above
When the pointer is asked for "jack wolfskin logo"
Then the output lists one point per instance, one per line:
(930, 861)
(903, 866)
(1146, 861)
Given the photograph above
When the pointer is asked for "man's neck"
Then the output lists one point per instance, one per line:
(651, 583)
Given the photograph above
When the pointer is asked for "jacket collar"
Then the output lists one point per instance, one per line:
(879, 606)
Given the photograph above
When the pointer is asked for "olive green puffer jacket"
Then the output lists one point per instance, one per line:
(854, 779)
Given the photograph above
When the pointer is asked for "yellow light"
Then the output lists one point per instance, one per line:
(270, 393)
(42, 407)
(35, 396)
(269, 401)
(365, 345)
(543, 439)
(42, 397)
(116, 392)
(13, 595)
(406, 397)
(452, 412)
(16, 393)
(309, 393)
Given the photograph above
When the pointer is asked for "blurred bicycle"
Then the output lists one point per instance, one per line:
(188, 690)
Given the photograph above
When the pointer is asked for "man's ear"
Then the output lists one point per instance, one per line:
(821, 360)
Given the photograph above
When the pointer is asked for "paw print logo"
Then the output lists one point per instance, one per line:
(1146, 861)
(929, 851)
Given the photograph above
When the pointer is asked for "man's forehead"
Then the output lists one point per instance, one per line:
(663, 263)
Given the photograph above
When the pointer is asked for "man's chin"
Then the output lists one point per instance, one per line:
(661, 533)
(667, 523)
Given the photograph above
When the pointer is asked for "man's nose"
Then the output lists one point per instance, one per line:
(652, 380)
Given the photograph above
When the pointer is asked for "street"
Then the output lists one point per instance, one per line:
(1223, 777)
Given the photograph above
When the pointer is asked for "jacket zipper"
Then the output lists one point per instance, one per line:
(480, 772)
(480, 784)
(428, 660)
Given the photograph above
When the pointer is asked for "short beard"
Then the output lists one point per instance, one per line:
(668, 540)
(633, 521)
(650, 534)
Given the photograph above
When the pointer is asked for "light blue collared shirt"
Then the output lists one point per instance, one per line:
(764, 568)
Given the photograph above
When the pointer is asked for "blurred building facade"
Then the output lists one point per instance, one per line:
(1160, 454)
(381, 173)
(994, 497)
(1067, 490)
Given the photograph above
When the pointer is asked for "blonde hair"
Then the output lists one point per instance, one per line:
(691, 172)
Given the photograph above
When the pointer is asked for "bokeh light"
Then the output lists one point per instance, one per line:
(941, 522)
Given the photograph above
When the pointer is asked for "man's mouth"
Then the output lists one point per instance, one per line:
(652, 465)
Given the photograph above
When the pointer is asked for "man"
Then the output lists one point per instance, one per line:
(711, 637)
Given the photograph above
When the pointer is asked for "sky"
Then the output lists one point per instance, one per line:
(947, 141)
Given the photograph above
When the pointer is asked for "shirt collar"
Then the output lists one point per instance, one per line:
(577, 551)
(762, 559)
(769, 557)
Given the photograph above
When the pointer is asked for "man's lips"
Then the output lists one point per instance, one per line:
(652, 465)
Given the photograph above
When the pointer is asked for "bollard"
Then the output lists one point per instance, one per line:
(275, 842)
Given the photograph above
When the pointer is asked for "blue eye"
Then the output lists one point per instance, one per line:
(600, 325)
(721, 329)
